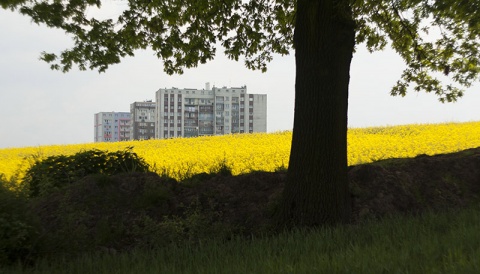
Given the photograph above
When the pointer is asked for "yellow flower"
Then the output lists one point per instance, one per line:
(261, 151)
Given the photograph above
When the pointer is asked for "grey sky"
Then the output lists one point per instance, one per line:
(40, 107)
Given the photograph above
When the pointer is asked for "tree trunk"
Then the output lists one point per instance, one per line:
(316, 192)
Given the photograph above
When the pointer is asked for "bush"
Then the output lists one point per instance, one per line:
(197, 224)
(55, 172)
(18, 233)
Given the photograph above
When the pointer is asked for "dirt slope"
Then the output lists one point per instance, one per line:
(112, 212)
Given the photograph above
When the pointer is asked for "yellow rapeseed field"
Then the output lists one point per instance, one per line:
(247, 152)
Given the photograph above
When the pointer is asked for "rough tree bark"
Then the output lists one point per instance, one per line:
(316, 192)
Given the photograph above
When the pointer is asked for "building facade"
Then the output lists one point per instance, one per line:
(216, 111)
(143, 120)
(112, 126)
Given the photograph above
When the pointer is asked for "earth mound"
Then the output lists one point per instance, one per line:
(124, 211)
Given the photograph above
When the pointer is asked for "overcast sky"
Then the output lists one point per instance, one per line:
(41, 107)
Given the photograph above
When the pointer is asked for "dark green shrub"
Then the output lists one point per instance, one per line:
(196, 179)
(98, 211)
(222, 168)
(54, 172)
(153, 194)
(18, 233)
(198, 223)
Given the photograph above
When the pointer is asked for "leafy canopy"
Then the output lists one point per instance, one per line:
(435, 38)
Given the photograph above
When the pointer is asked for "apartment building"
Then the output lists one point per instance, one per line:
(143, 120)
(210, 111)
(112, 126)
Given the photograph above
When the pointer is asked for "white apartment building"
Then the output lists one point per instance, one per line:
(112, 126)
(143, 120)
(216, 111)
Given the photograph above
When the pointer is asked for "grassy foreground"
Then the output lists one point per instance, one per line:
(431, 243)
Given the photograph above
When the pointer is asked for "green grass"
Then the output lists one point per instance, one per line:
(431, 243)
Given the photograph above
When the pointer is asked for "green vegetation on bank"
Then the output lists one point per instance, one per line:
(116, 221)
(431, 243)
(47, 175)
